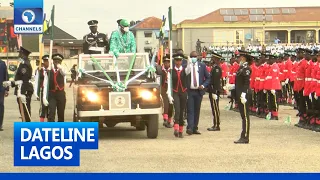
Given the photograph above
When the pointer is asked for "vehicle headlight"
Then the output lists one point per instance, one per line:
(146, 95)
(91, 96)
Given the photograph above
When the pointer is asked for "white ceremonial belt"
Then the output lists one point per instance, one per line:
(268, 77)
(318, 81)
(261, 80)
(257, 78)
(313, 79)
(96, 49)
(300, 79)
(285, 70)
(308, 79)
(234, 73)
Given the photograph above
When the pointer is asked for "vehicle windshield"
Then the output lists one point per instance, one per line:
(106, 62)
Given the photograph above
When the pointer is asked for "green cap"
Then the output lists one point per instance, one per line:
(124, 23)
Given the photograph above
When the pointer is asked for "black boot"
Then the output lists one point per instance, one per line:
(242, 141)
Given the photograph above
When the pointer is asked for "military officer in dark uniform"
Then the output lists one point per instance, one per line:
(242, 87)
(95, 42)
(4, 91)
(24, 73)
(57, 95)
(214, 91)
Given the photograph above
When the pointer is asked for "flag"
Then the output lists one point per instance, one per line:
(161, 34)
(170, 20)
(52, 23)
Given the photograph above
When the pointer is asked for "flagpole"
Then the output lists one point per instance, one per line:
(170, 43)
(51, 39)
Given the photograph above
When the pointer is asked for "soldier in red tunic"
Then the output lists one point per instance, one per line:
(316, 124)
(299, 87)
(224, 67)
(252, 101)
(273, 87)
(232, 75)
(287, 74)
(312, 87)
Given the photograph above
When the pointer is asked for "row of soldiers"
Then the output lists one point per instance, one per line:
(286, 79)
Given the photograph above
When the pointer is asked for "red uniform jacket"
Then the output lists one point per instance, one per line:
(224, 68)
(293, 76)
(258, 75)
(232, 74)
(317, 69)
(282, 74)
(273, 81)
(253, 75)
(308, 79)
(314, 81)
(301, 69)
(266, 72)
(287, 69)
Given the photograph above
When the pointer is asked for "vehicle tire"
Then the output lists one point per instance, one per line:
(152, 126)
(141, 126)
(75, 118)
(110, 124)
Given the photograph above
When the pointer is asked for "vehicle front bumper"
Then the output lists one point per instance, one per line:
(127, 112)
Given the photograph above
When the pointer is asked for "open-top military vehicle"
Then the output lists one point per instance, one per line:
(112, 91)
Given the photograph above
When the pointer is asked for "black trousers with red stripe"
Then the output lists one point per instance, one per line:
(57, 102)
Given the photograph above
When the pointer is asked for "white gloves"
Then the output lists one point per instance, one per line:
(287, 81)
(170, 99)
(215, 97)
(264, 91)
(273, 92)
(243, 98)
(59, 66)
(23, 99)
(283, 83)
(315, 96)
(6, 84)
(310, 96)
(45, 101)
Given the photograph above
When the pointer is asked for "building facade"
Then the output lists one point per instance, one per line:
(255, 26)
(147, 35)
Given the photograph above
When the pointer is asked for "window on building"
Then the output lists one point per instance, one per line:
(74, 52)
(148, 34)
(54, 51)
(239, 37)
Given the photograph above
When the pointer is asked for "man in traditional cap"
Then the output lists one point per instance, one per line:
(243, 93)
(95, 42)
(57, 95)
(214, 91)
(24, 73)
(4, 91)
(122, 40)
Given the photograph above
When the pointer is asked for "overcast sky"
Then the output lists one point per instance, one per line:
(73, 15)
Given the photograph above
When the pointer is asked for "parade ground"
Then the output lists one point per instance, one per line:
(275, 146)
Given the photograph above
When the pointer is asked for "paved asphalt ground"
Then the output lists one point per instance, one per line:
(274, 146)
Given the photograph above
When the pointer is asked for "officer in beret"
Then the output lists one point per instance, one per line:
(122, 40)
(57, 95)
(24, 73)
(95, 42)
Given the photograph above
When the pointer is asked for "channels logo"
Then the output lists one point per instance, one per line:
(28, 17)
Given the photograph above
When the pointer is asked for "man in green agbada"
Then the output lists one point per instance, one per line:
(122, 40)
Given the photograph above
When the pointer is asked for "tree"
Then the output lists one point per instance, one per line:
(132, 23)
(11, 4)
